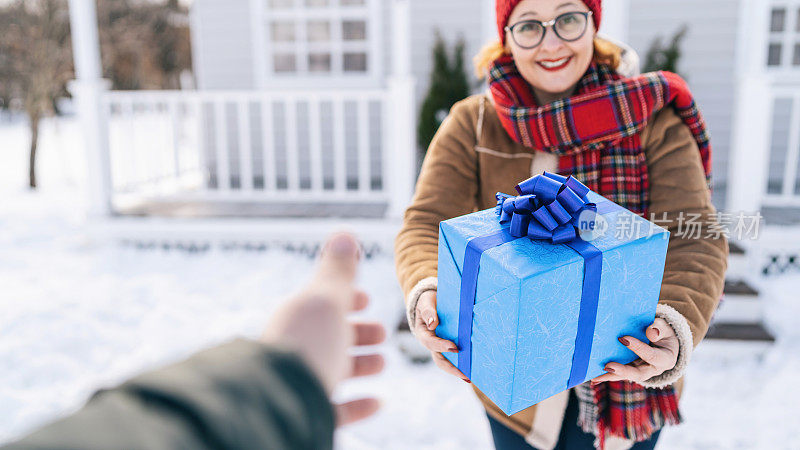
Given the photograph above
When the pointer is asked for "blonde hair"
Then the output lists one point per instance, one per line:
(605, 52)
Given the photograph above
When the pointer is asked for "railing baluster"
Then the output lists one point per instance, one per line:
(292, 153)
(221, 132)
(245, 148)
(339, 156)
(267, 144)
(315, 144)
(363, 124)
(200, 145)
(175, 120)
(137, 173)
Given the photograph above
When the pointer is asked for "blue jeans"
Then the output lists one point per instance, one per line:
(570, 438)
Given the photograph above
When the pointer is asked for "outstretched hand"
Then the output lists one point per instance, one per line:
(654, 359)
(314, 324)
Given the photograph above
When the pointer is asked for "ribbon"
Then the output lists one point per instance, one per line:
(548, 207)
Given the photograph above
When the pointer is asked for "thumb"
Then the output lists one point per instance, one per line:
(353, 411)
(426, 308)
(660, 329)
(339, 259)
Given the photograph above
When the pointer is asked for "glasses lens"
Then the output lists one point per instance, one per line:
(571, 26)
(528, 34)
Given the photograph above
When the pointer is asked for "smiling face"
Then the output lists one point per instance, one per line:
(554, 67)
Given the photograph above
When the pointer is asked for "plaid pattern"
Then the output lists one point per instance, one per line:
(596, 133)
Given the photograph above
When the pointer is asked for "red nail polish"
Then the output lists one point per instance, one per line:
(610, 370)
(624, 341)
(466, 380)
(657, 332)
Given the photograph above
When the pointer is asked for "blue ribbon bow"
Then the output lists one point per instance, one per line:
(548, 208)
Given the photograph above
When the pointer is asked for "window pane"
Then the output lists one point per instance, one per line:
(319, 62)
(352, 2)
(276, 4)
(285, 62)
(354, 30)
(319, 31)
(796, 55)
(355, 62)
(777, 23)
(797, 21)
(283, 32)
(317, 3)
(774, 55)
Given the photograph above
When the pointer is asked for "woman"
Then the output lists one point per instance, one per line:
(556, 103)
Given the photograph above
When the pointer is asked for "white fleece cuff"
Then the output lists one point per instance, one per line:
(425, 284)
(685, 347)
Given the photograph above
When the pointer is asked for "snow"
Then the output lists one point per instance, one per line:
(78, 313)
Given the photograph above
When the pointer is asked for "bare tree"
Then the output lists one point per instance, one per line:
(35, 60)
(144, 45)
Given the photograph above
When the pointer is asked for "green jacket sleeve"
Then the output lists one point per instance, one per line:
(241, 395)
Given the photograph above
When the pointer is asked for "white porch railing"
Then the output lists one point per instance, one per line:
(315, 146)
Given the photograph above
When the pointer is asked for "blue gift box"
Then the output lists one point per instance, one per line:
(529, 329)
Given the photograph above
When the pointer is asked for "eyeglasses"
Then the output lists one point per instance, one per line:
(568, 27)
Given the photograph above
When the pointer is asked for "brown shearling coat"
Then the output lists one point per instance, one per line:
(472, 157)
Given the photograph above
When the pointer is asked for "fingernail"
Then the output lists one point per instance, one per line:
(430, 321)
(610, 370)
(657, 332)
(453, 349)
(466, 380)
(342, 245)
(624, 341)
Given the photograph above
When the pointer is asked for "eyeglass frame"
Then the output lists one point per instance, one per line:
(549, 23)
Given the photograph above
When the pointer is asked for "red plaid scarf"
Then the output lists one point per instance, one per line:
(596, 133)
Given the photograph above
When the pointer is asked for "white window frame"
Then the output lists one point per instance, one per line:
(786, 38)
(263, 48)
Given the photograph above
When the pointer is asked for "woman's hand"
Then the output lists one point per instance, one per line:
(424, 325)
(654, 359)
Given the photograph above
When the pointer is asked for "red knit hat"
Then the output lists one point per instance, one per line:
(505, 7)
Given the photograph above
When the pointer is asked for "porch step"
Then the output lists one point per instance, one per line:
(740, 304)
(740, 332)
(739, 262)
(739, 287)
(734, 248)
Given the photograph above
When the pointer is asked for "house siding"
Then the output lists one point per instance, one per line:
(222, 44)
(454, 19)
(708, 60)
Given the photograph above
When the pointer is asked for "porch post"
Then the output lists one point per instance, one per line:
(88, 89)
(400, 166)
(750, 140)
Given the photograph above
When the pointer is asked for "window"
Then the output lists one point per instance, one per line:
(319, 62)
(355, 62)
(318, 37)
(777, 22)
(319, 31)
(285, 62)
(283, 32)
(783, 47)
(280, 4)
(774, 55)
(354, 30)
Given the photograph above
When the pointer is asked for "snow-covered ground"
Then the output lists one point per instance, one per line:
(78, 313)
